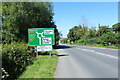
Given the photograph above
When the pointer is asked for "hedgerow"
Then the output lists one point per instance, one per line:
(15, 58)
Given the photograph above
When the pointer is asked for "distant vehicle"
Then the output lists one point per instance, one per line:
(71, 42)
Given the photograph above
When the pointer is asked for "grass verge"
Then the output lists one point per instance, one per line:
(98, 45)
(43, 67)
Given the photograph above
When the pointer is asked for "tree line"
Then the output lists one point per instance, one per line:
(104, 35)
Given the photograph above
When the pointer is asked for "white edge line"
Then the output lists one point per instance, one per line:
(100, 53)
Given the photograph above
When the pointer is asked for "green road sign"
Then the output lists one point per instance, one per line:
(40, 36)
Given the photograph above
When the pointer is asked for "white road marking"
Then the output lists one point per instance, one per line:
(59, 49)
(85, 49)
(62, 53)
(106, 55)
(99, 53)
(77, 48)
(105, 48)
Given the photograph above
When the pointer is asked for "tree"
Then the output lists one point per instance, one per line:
(76, 33)
(91, 33)
(19, 16)
(108, 38)
(102, 30)
(116, 27)
(117, 39)
(64, 40)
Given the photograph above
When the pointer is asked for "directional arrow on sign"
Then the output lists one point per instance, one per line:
(40, 37)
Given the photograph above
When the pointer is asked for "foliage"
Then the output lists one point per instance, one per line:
(76, 33)
(108, 38)
(116, 27)
(4, 73)
(64, 40)
(105, 35)
(91, 33)
(117, 39)
(57, 37)
(17, 17)
(15, 58)
(102, 30)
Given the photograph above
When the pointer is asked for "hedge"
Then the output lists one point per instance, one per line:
(15, 58)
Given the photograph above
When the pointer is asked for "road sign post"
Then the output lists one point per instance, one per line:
(42, 38)
(35, 50)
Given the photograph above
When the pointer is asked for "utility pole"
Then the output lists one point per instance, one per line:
(99, 25)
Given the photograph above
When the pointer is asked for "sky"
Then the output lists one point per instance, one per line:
(70, 14)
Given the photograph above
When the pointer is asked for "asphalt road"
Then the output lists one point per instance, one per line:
(86, 62)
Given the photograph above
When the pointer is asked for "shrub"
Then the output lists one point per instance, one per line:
(15, 58)
(108, 38)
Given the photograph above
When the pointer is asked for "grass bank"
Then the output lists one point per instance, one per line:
(98, 45)
(43, 67)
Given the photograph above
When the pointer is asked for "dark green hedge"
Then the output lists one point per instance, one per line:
(15, 58)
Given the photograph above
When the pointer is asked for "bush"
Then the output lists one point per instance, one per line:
(81, 41)
(108, 38)
(15, 58)
(94, 41)
(64, 40)
(88, 41)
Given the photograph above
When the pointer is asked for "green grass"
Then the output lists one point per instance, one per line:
(98, 45)
(43, 67)
(0, 48)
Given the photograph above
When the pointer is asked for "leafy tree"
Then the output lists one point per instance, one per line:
(116, 27)
(91, 33)
(57, 37)
(76, 33)
(102, 30)
(64, 40)
(108, 38)
(19, 16)
(117, 39)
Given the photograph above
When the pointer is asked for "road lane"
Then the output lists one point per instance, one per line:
(107, 51)
(85, 62)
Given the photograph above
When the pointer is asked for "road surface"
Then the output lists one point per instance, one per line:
(86, 62)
